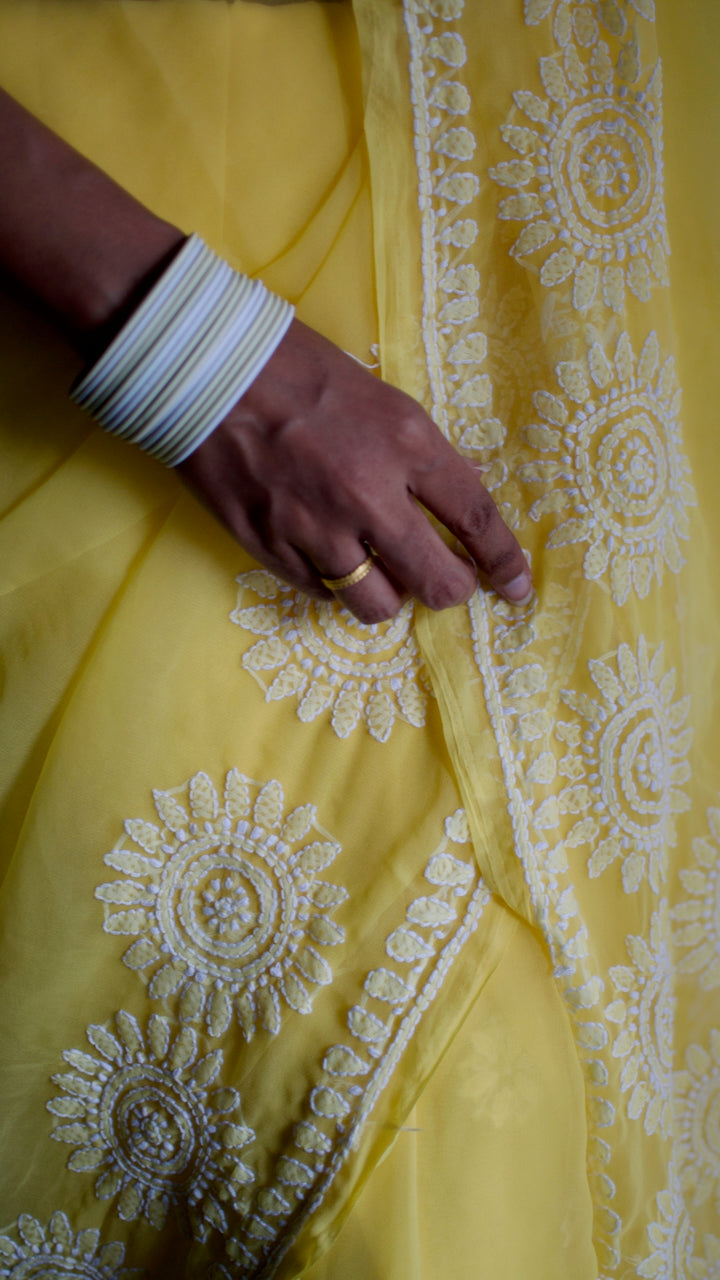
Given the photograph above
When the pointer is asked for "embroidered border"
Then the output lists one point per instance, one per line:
(337, 1107)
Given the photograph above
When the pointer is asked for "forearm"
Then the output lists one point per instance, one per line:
(316, 460)
(82, 247)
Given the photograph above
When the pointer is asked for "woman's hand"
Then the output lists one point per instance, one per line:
(317, 461)
(320, 460)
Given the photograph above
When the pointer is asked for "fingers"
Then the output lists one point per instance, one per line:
(453, 492)
(376, 597)
(417, 557)
(307, 499)
(412, 559)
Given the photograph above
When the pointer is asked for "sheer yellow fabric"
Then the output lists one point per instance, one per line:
(392, 952)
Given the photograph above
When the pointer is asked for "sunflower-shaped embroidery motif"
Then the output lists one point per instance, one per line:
(588, 180)
(643, 1012)
(145, 1118)
(55, 1252)
(697, 1110)
(614, 473)
(317, 652)
(627, 765)
(698, 917)
(226, 902)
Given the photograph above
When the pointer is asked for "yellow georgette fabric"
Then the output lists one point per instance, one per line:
(377, 952)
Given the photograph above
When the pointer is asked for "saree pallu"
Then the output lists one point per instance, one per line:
(391, 951)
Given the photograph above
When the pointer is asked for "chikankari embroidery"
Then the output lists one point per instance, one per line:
(455, 343)
(697, 1108)
(227, 902)
(56, 1252)
(625, 769)
(419, 953)
(643, 1012)
(672, 1242)
(587, 180)
(698, 917)
(513, 368)
(319, 654)
(145, 1119)
(582, 19)
(597, 788)
(611, 470)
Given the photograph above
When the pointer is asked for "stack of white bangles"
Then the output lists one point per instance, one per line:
(186, 355)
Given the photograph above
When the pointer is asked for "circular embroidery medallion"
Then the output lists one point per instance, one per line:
(612, 466)
(588, 183)
(144, 1117)
(55, 1252)
(226, 902)
(626, 758)
(317, 652)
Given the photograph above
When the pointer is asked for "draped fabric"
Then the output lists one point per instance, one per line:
(392, 951)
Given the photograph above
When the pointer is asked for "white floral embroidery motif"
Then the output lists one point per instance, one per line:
(672, 1241)
(353, 1074)
(456, 346)
(644, 1011)
(515, 359)
(517, 660)
(580, 19)
(626, 777)
(697, 1110)
(588, 179)
(698, 918)
(707, 1268)
(615, 476)
(225, 897)
(319, 653)
(143, 1116)
(55, 1252)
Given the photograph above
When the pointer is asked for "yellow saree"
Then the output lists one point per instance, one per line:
(394, 951)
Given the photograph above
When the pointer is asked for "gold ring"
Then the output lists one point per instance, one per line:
(350, 579)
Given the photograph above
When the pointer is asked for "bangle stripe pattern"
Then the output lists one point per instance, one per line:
(186, 355)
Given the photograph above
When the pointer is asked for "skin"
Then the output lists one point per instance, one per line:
(318, 461)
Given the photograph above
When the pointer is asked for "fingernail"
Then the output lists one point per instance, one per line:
(519, 590)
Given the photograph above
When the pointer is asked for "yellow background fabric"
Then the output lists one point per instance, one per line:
(477, 1061)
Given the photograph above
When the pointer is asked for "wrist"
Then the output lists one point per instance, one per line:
(186, 355)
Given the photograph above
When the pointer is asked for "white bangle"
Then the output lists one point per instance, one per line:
(186, 355)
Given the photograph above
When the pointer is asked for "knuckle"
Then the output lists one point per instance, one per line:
(411, 426)
(475, 521)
